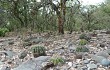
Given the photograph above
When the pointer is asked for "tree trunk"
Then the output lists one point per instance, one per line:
(61, 16)
(60, 25)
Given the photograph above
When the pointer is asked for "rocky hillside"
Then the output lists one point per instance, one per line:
(76, 51)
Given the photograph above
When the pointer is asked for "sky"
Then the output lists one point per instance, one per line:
(89, 2)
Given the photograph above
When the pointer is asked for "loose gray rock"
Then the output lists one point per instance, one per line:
(70, 64)
(79, 55)
(105, 62)
(27, 44)
(35, 63)
(22, 55)
(102, 45)
(9, 53)
(37, 40)
(102, 53)
(108, 51)
(72, 49)
(97, 58)
(5, 68)
(108, 32)
(74, 65)
(11, 42)
(84, 68)
(86, 61)
(1, 63)
(91, 66)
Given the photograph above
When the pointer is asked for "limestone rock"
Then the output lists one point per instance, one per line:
(35, 63)
(91, 66)
(105, 62)
(102, 53)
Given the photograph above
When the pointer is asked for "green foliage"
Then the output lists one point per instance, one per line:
(57, 60)
(84, 36)
(3, 31)
(83, 42)
(82, 49)
(41, 20)
(39, 50)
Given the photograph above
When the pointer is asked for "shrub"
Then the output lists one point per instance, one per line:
(57, 60)
(38, 51)
(83, 42)
(3, 31)
(82, 49)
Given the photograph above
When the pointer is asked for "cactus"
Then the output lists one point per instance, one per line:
(84, 36)
(38, 51)
(57, 60)
(82, 49)
(83, 42)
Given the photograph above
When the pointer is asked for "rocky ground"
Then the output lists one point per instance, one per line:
(64, 46)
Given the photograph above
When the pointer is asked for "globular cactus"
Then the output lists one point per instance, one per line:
(38, 51)
(82, 49)
(83, 42)
(85, 36)
(57, 60)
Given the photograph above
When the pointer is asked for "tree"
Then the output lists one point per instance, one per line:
(87, 15)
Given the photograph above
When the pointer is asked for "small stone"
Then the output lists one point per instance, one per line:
(105, 62)
(1, 63)
(108, 51)
(63, 68)
(5, 68)
(10, 54)
(102, 53)
(91, 66)
(61, 51)
(101, 69)
(108, 32)
(47, 65)
(97, 58)
(74, 65)
(78, 60)
(86, 61)
(36, 41)
(27, 44)
(9, 62)
(102, 45)
(72, 49)
(22, 55)
(72, 68)
(84, 68)
(98, 64)
(11, 42)
(3, 60)
(78, 56)
(70, 64)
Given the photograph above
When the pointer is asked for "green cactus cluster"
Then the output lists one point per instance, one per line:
(38, 51)
(82, 49)
(84, 36)
(83, 42)
(57, 60)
